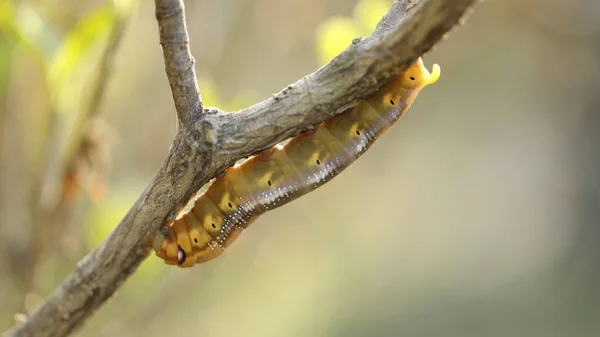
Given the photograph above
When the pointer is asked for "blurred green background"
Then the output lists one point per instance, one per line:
(476, 215)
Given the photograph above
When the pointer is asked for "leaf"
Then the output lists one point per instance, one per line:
(337, 32)
(211, 97)
(73, 52)
(26, 27)
(369, 12)
(7, 16)
(7, 48)
(334, 35)
(125, 7)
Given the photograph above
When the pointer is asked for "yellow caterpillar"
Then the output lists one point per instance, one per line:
(285, 172)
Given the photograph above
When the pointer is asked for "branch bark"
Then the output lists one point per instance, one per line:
(208, 140)
(179, 62)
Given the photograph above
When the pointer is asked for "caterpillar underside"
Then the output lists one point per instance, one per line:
(285, 172)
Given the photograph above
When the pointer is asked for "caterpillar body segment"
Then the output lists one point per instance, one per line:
(278, 175)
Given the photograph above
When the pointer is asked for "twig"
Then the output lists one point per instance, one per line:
(179, 62)
(207, 143)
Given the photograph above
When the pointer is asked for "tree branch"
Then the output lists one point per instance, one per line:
(179, 62)
(207, 143)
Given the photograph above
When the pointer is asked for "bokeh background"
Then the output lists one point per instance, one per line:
(476, 215)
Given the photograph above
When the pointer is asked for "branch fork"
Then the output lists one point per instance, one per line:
(209, 141)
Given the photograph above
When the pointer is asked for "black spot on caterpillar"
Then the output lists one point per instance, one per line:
(283, 173)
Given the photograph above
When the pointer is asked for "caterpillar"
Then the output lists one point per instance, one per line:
(276, 176)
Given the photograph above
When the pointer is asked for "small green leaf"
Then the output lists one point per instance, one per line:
(27, 28)
(369, 12)
(7, 13)
(125, 7)
(7, 48)
(334, 35)
(73, 52)
(211, 97)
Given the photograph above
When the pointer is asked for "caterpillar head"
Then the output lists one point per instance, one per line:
(177, 244)
(166, 247)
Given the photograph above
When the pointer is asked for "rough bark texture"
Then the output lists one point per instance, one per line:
(179, 62)
(209, 141)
